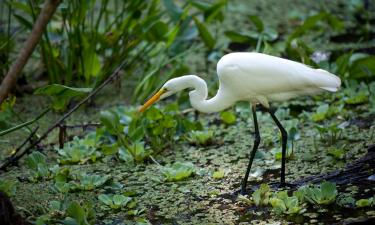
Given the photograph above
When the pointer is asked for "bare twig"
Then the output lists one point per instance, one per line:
(45, 16)
(62, 135)
(12, 158)
(11, 161)
(24, 124)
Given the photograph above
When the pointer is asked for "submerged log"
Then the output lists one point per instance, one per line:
(356, 172)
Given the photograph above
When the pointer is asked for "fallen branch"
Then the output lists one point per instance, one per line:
(357, 171)
(11, 160)
(45, 16)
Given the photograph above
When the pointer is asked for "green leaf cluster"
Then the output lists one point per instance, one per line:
(325, 194)
(60, 95)
(68, 213)
(218, 174)
(365, 202)
(135, 137)
(178, 171)
(161, 127)
(135, 152)
(79, 150)
(37, 164)
(115, 201)
(228, 117)
(283, 204)
(330, 133)
(262, 195)
(8, 187)
(254, 37)
(67, 182)
(201, 138)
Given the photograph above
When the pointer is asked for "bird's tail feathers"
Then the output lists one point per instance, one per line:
(331, 89)
(328, 81)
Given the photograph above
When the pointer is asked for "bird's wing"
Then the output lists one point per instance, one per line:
(249, 74)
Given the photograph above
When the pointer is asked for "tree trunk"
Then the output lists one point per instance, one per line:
(10, 79)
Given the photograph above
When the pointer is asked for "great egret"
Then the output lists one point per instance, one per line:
(256, 78)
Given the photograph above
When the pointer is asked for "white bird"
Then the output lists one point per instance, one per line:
(258, 79)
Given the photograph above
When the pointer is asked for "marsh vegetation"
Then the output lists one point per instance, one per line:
(107, 164)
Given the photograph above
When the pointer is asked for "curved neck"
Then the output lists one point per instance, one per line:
(220, 101)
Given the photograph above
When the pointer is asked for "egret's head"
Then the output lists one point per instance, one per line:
(170, 87)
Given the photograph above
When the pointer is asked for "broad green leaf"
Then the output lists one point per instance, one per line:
(8, 187)
(336, 153)
(329, 191)
(283, 204)
(257, 22)
(22, 20)
(109, 149)
(198, 137)
(270, 34)
(261, 195)
(205, 34)
(121, 200)
(363, 67)
(321, 113)
(61, 90)
(173, 10)
(79, 150)
(219, 174)
(110, 120)
(55, 205)
(34, 159)
(158, 31)
(323, 195)
(106, 199)
(61, 94)
(114, 201)
(278, 205)
(214, 12)
(91, 63)
(307, 25)
(178, 171)
(154, 114)
(364, 202)
(357, 98)
(75, 211)
(201, 5)
(242, 37)
(228, 117)
(125, 155)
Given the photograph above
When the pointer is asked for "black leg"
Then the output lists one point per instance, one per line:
(284, 138)
(255, 147)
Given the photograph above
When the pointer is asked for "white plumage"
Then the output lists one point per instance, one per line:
(253, 77)
(256, 78)
(262, 78)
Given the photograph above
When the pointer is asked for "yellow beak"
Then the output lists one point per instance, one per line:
(152, 100)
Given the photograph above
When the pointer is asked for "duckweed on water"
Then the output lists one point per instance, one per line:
(204, 193)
